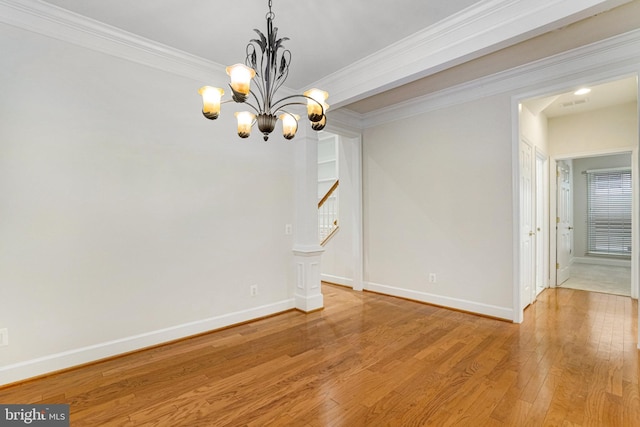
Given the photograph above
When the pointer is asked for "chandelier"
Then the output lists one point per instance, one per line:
(269, 70)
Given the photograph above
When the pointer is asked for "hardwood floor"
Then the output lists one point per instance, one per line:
(372, 360)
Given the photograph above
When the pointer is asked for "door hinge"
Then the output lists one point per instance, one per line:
(558, 173)
(557, 266)
(557, 220)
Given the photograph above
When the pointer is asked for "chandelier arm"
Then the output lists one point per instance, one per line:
(260, 108)
(280, 108)
(258, 82)
(283, 73)
(279, 82)
(260, 87)
(297, 103)
(268, 81)
(262, 84)
(250, 61)
(271, 70)
(262, 95)
(257, 110)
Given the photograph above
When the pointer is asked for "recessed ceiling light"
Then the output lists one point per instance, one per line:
(583, 91)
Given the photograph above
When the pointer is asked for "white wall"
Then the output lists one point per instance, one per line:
(126, 218)
(438, 199)
(533, 127)
(596, 131)
(439, 180)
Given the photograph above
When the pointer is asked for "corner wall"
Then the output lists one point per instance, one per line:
(127, 219)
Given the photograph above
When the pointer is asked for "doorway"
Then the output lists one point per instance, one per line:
(599, 224)
(567, 125)
(564, 221)
(342, 259)
(534, 224)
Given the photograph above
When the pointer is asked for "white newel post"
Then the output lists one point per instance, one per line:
(307, 250)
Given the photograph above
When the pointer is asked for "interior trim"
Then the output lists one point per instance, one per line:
(620, 53)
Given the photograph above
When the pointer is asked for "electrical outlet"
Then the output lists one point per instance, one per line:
(433, 278)
(4, 337)
(288, 229)
(253, 290)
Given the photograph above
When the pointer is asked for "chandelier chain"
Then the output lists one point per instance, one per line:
(270, 15)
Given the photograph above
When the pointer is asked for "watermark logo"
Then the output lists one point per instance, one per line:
(34, 415)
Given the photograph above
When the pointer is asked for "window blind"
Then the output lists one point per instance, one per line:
(609, 212)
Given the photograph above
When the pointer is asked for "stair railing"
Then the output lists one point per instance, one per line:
(328, 214)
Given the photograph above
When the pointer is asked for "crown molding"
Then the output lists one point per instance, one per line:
(466, 34)
(55, 22)
(600, 61)
(345, 119)
(480, 29)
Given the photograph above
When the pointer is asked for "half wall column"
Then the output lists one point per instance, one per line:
(307, 250)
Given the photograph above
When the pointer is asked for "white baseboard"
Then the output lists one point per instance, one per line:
(447, 302)
(59, 361)
(307, 304)
(337, 280)
(602, 261)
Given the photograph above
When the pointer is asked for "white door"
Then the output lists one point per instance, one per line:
(541, 227)
(563, 223)
(527, 226)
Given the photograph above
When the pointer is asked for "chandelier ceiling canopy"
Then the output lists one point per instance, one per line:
(267, 65)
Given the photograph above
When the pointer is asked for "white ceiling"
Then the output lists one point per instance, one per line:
(325, 36)
(601, 96)
(348, 47)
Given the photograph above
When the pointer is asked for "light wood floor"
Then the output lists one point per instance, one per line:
(371, 360)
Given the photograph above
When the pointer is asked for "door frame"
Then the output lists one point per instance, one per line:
(634, 207)
(542, 219)
(353, 138)
(541, 90)
(527, 300)
(553, 213)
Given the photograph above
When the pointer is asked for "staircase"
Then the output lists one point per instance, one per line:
(328, 214)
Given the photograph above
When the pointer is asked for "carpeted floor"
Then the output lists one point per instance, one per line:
(600, 278)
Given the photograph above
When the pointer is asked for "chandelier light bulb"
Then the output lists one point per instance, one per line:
(241, 76)
(211, 97)
(315, 105)
(245, 121)
(289, 125)
(319, 125)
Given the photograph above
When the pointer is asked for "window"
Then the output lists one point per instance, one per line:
(609, 212)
